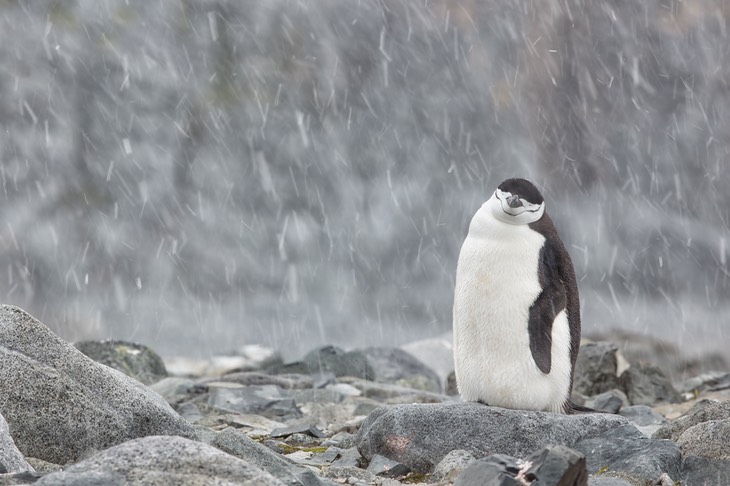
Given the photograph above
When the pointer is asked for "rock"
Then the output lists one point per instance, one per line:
(267, 400)
(452, 465)
(451, 387)
(308, 429)
(436, 352)
(238, 444)
(625, 449)
(644, 418)
(246, 358)
(610, 401)
(494, 470)
(385, 392)
(705, 382)
(60, 405)
(382, 466)
(132, 359)
(348, 458)
(647, 385)
(286, 381)
(394, 365)
(558, 465)
(473, 427)
(173, 389)
(14, 479)
(608, 481)
(339, 362)
(595, 368)
(161, 461)
(702, 412)
(710, 439)
(703, 471)
(11, 459)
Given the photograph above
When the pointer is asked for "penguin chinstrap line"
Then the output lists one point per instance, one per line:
(516, 309)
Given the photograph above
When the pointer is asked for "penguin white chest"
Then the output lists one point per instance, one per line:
(497, 282)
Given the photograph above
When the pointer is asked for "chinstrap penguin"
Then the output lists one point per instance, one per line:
(516, 310)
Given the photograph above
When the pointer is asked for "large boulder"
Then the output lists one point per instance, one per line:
(162, 461)
(11, 459)
(420, 435)
(133, 359)
(61, 405)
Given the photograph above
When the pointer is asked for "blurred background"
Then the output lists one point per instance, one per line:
(200, 175)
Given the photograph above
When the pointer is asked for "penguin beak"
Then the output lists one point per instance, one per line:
(514, 201)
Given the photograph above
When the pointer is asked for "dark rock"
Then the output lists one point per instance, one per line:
(394, 365)
(595, 368)
(710, 439)
(610, 401)
(385, 392)
(339, 362)
(452, 465)
(557, 465)
(647, 385)
(11, 459)
(343, 440)
(451, 388)
(348, 458)
(644, 418)
(286, 381)
(625, 449)
(382, 466)
(161, 461)
(704, 471)
(26, 477)
(703, 411)
(61, 405)
(238, 444)
(132, 359)
(420, 435)
(307, 429)
(494, 470)
(705, 382)
(267, 400)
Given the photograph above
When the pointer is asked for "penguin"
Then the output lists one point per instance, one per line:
(516, 314)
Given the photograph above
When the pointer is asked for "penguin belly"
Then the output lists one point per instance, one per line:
(497, 282)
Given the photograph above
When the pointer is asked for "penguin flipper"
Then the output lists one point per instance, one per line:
(539, 327)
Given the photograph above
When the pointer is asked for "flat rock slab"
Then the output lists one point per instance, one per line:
(61, 406)
(420, 435)
(162, 461)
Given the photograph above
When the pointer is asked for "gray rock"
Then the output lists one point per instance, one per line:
(595, 368)
(394, 365)
(705, 382)
(14, 479)
(704, 471)
(644, 418)
(451, 387)
(339, 362)
(132, 359)
(473, 427)
(11, 459)
(436, 352)
(238, 444)
(348, 458)
(267, 400)
(625, 449)
(286, 381)
(494, 470)
(394, 393)
(647, 385)
(557, 465)
(308, 429)
(709, 439)
(608, 481)
(173, 389)
(61, 405)
(452, 465)
(703, 411)
(610, 401)
(161, 461)
(382, 466)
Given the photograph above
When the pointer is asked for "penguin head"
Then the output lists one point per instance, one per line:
(517, 201)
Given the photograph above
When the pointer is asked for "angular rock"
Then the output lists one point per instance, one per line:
(558, 465)
(308, 429)
(286, 381)
(709, 439)
(267, 400)
(132, 359)
(610, 401)
(394, 365)
(60, 405)
(394, 393)
(436, 352)
(420, 435)
(452, 465)
(626, 450)
(11, 459)
(644, 418)
(382, 466)
(348, 458)
(702, 412)
(161, 461)
(647, 385)
(595, 368)
(494, 470)
(339, 362)
(704, 471)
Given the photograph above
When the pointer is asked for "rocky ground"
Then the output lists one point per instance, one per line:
(379, 416)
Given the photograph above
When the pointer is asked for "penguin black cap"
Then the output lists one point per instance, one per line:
(523, 188)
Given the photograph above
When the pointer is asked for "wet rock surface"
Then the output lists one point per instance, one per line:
(355, 418)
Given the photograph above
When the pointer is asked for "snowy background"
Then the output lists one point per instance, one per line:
(199, 175)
